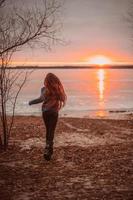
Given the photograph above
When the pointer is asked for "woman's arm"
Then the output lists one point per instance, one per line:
(40, 99)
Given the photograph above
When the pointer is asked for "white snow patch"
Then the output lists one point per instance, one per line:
(32, 142)
(79, 139)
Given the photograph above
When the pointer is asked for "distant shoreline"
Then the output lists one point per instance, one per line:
(74, 67)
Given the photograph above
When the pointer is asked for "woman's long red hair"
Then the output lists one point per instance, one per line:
(54, 89)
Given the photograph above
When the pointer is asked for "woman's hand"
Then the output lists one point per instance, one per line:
(30, 103)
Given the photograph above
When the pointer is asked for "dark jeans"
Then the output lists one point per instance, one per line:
(50, 119)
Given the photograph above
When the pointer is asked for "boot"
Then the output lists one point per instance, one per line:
(48, 152)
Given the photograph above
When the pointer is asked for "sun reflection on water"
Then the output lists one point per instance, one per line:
(101, 89)
(101, 78)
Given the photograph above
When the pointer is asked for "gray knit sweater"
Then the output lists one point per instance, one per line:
(45, 100)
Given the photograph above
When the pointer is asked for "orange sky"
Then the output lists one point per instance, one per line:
(90, 28)
(74, 58)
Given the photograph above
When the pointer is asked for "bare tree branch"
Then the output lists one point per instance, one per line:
(2, 2)
(31, 26)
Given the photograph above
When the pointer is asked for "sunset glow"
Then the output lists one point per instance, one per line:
(99, 60)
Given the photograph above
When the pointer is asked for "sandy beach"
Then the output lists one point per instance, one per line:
(93, 159)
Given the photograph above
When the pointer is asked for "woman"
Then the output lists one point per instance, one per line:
(54, 98)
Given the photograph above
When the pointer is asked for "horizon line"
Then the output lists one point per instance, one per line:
(115, 66)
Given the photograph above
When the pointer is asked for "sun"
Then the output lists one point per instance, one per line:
(99, 60)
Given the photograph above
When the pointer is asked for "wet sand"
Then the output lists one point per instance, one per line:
(93, 159)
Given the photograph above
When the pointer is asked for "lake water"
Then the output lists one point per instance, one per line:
(96, 92)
